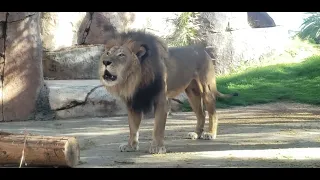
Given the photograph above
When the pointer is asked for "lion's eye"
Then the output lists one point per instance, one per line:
(108, 53)
(121, 55)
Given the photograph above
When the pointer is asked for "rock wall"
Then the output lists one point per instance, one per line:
(21, 65)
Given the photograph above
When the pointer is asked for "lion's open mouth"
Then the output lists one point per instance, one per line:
(108, 76)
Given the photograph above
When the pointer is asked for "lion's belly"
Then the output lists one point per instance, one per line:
(173, 91)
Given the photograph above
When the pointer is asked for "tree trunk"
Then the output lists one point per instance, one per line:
(38, 150)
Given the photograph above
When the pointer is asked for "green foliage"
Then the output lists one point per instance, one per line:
(296, 82)
(186, 106)
(310, 28)
(186, 31)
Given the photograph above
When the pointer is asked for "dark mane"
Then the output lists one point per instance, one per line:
(144, 98)
(157, 50)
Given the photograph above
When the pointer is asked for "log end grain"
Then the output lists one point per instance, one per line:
(72, 152)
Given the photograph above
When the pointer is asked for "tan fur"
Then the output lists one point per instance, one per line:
(185, 69)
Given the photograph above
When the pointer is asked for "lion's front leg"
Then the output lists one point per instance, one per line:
(134, 119)
(157, 145)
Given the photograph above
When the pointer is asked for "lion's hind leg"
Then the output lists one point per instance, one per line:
(210, 104)
(194, 97)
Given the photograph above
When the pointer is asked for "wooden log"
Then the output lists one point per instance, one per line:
(39, 150)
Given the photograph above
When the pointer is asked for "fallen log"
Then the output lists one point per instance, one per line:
(38, 150)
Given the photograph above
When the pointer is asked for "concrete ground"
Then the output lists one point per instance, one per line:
(272, 135)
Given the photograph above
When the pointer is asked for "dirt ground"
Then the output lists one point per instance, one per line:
(271, 135)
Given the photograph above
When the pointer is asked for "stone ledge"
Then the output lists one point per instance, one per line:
(79, 98)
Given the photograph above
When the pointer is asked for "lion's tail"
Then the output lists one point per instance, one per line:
(225, 96)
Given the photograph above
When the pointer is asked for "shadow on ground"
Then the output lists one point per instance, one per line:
(272, 135)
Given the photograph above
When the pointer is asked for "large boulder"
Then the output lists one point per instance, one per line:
(21, 65)
(98, 27)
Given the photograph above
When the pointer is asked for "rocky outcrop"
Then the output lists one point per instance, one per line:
(21, 65)
(260, 20)
(77, 62)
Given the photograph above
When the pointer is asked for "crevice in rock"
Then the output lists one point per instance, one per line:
(21, 19)
(4, 62)
(75, 103)
(87, 29)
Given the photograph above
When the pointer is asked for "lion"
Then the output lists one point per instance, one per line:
(138, 67)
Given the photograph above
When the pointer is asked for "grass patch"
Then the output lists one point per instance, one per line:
(296, 82)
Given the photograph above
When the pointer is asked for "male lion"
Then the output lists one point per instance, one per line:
(136, 67)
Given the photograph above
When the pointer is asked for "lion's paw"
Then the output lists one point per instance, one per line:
(127, 148)
(157, 150)
(209, 136)
(192, 135)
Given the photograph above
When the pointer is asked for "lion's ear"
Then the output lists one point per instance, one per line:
(106, 47)
(142, 52)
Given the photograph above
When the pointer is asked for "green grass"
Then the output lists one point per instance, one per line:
(295, 82)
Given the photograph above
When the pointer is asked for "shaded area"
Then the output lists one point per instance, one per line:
(272, 135)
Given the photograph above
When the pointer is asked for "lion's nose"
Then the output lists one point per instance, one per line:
(107, 63)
